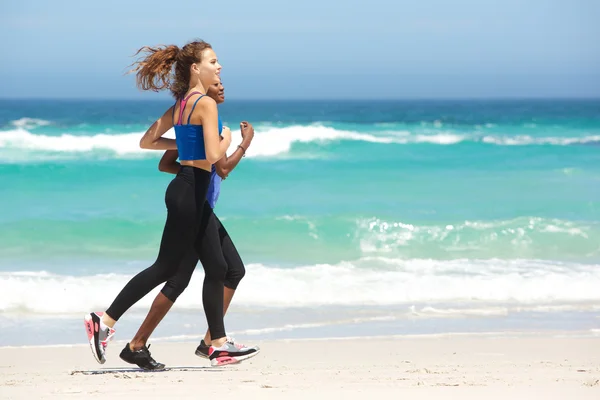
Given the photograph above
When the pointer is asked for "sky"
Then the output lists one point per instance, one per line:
(375, 49)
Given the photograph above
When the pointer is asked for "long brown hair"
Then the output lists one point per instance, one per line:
(154, 70)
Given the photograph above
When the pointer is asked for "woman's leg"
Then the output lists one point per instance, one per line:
(178, 237)
(235, 271)
(208, 247)
(174, 286)
(222, 351)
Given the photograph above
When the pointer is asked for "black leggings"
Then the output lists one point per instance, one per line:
(217, 248)
(185, 229)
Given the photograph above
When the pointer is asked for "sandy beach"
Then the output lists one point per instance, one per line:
(524, 366)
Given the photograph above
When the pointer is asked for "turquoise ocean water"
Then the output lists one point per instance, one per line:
(353, 217)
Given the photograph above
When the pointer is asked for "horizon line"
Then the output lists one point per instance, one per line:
(449, 98)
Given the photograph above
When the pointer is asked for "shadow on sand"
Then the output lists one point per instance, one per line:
(101, 371)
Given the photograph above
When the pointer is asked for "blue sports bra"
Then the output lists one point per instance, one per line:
(190, 138)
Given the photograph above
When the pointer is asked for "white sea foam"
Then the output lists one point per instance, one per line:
(524, 283)
(19, 144)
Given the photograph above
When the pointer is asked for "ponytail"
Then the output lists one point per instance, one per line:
(153, 72)
(168, 67)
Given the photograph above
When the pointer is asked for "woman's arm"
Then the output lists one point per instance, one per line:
(214, 146)
(153, 140)
(168, 162)
(226, 164)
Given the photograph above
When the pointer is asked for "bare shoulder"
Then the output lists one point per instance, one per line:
(206, 103)
(206, 107)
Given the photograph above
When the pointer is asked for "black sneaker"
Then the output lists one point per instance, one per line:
(141, 358)
(202, 350)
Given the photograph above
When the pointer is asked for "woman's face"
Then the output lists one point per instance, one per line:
(209, 68)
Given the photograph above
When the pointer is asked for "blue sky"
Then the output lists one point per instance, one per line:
(311, 49)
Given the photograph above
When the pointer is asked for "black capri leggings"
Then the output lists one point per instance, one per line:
(217, 248)
(185, 229)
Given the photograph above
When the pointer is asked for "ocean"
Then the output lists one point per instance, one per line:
(354, 218)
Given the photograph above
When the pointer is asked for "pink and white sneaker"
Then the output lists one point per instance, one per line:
(98, 334)
(230, 353)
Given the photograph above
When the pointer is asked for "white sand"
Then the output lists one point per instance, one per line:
(435, 367)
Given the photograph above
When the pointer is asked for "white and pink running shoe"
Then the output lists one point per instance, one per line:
(98, 334)
(230, 353)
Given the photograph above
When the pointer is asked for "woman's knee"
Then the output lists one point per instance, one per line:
(173, 288)
(215, 270)
(234, 277)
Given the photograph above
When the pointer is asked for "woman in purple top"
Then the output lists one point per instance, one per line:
(220, 170)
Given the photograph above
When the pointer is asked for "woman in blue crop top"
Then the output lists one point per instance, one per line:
(194, 117)
(235, 265)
